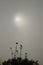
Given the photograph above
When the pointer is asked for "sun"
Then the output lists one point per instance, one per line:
(18, 20)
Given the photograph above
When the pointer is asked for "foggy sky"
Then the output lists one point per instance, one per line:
(31, 35)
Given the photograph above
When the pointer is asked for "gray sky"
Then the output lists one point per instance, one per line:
(31, 35)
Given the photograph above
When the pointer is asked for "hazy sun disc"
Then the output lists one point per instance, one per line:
(17, 20)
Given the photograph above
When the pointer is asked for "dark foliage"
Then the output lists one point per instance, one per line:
(20, 61)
